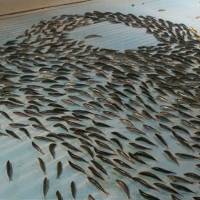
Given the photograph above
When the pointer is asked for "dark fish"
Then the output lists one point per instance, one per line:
(171, 156)
(6, 115)
(76, 167)
(24, 130)
(73, 189)
(144, 183)
(145, 140)
(45, 186)
(179, 179)
(70, 146)
(37, 147)
(122, 163)
(123, 172)
(124, 187)
(76, 157)
(149, 174)
(116, 141)
(144, 154)
(13, 134)
(59, 169)
(165, 171)
(119, 135)
(147, 196)
(99, 166)
(100, 124)
(192, 175)
(58, 195)
(95, 172)
(161, 139)
(90, 197)
(42, 165)
(92, 36)
(165, 187)
(186, 156)
(181, 187)
(97, 185)
(9, 169)
(88, 150)
(52, 147)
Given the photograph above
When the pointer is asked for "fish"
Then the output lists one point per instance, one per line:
(70, 146)
(165, 171)
(42, 165)
(76, 157)
(97, 185)
(73, 189)
(171, 156)
(124, 187)
(45, 186)
(90, 197)
(9, 169)
(37, 148)
(14, 135)
(144, 183)
(76, 167)
(95, 172)
(58, 195)
(99, 166)
(150, 174)
(181, 187)
(166, 188)
(59, 169)
(24, 130)
(6, 115)
(186, 156)
(92, 36)
(52, 147)
(147, 195)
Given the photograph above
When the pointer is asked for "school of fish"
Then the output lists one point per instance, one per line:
(110, 111)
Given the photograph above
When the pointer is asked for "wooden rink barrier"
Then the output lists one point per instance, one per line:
(10, 7)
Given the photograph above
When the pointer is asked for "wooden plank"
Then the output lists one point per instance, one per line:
(10, 7)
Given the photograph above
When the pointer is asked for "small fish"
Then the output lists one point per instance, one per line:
(186, 156)
(70, 146)
(52, 147)
(150, 174)
(76, 167)
(95, 172)
(73, 189)
(99, 166)
(14, 135)
(45, 186)
(165, 171)
(144, 183)
(181, 187)
(9, 169)
(92, 36)
(97, 185)
(171, 156)
(90, 197)
(166, 188)
(59, 169)
(76, 157)
(24, 130)
(124, 187)
(147, 196)
(37, 147)
(42, 165)
(6, 115)
(58, 195)
(161, 139)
